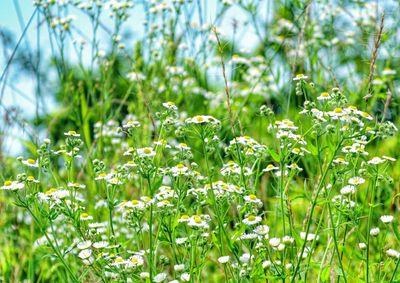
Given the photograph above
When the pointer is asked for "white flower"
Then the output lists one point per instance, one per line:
(144, 275)
(270, 167)
(84, 254)
(160, 277)
(386, 218)
(274, 242)
(179, 267)
(184, 218)
(180, 241)
(340, 160)
(252, 220)
(84, 245)
(119, 261)
(131, 124)
(310, 236)
(374, 231)
(362, 246)
(287, 240)
(72, 134)
(389, 158)
(84, 216)
(202, 119)
(393, 253)
(300, 77)
(324, 96)
(346, 190)
(356, 181)
(170, 105)
(224, 259)
(197, 221)
(12, 185)
(253, 199)
(294, 166)
(76, 185)
(146, 152)
(262, 230)
(266, 264)
(100, 245)
(245, 258)
(135, 261)
(388, 72)
(376, 161)
(114, 181)
(31, 163)
(185, 277)
(179, 169)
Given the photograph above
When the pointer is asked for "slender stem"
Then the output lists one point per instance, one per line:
(395, 271)
(55, 249)
(313, 204)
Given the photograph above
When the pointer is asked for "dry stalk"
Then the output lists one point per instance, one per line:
(227, 92)
(373, 59)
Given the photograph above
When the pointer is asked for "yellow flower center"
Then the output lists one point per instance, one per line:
(251, 218)
(84, 215)
(252, 197)
(31, 161)
(30, 178)
(338, 110)
(135, 202)
(50, 191)
(325, 94)
(180, 166)
(197, 219)
(134, 260)
(147, 150)
(7, 183)
(365, 114)
(185, 217)
(72, 132)
(296, 150)
(199, 119)
(146, 199)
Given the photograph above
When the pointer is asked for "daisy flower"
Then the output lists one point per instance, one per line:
(30, 162)
(146, 152)
(224, 259)
(12, 185)
(72, 134)
(386, 219)
(252, 220)
(356, 181)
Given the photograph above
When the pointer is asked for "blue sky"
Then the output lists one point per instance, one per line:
(24, 97)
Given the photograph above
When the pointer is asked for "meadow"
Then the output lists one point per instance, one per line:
(201, 141)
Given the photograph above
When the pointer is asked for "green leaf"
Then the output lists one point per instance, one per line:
(274, 155)
(396, 230)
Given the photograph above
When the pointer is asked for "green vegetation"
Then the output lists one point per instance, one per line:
(193, 152)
